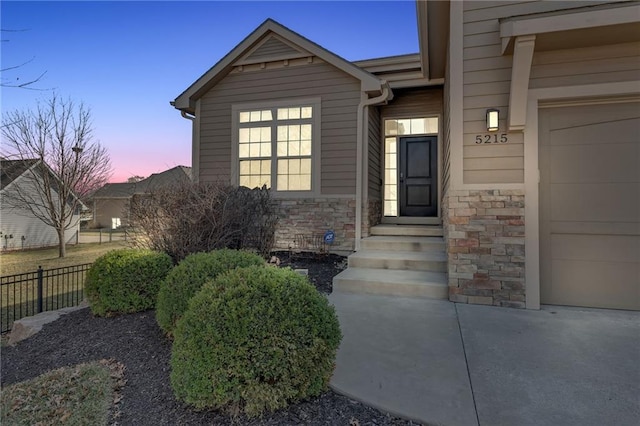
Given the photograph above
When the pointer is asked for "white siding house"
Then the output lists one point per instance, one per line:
(19, 227)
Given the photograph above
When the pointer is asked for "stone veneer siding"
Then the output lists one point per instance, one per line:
(371, 216)
(311, 216)
(484, 234)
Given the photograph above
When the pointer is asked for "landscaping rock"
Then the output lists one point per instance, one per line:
(28, 326)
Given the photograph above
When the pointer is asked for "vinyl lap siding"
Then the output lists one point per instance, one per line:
(446, 134)
(36, 233)
(414, 103)
(107, 208)
(339, 93)
(592, 65)
(487, 79)
(375, 162)
(22, 223)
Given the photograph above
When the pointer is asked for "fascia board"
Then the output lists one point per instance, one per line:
(516, 26)
(423, 35)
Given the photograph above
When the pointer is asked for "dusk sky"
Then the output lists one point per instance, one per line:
(128, 60)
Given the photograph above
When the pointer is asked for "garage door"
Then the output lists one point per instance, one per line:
(590, 205)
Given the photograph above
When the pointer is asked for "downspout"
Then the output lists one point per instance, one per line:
(360, 136)
(194, 168)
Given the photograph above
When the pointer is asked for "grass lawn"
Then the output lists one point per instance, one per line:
(18, 262)
(19, 299)
(82, 394)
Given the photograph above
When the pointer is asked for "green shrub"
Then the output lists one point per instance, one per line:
(126, 281)
(188, 277)
(254, 340)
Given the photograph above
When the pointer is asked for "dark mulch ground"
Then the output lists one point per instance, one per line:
(136, 341)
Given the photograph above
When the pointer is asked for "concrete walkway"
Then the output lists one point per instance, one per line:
(442, 363)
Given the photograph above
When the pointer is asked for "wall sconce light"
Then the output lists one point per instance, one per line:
(492, 120)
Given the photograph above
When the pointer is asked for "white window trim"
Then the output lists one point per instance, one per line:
(315, 103)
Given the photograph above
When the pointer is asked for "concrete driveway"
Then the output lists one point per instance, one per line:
(442, 363)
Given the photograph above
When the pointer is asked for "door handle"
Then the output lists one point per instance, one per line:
(401, 177)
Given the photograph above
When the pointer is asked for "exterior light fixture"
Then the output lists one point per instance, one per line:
(492, 120)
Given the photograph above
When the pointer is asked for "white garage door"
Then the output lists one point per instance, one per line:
(590, 205)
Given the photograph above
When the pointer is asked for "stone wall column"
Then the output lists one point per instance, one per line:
(484, 235)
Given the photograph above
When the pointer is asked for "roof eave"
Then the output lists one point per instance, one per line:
(433, 36)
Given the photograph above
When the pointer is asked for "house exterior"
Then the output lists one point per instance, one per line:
(20, 228)
(499, 133)
(111, 202)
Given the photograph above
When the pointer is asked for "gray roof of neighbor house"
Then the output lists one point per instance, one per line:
(172, 176)
(10, 170)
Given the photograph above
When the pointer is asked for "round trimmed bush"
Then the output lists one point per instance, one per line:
(190, 275)
(254, 340)
(125, 281)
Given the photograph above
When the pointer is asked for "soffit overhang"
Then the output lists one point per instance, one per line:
(433, 36)
(565, 29)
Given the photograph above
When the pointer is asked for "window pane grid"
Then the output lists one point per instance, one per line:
(293, 148)
(294, 174)
(255, 173)
(294, 140)
(390, 177)
(254, 142)
(255, 116)
(411, 126)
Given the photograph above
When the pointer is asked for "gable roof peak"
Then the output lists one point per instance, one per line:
(186, 100)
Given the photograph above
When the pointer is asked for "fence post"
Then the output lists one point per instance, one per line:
(40, 279)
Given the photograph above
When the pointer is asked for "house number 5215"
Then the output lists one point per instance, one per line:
(493, 138)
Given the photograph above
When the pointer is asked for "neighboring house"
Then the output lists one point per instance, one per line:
(111, 202)
(19, 228)
(515, 129)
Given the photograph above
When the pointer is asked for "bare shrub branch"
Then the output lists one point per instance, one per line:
(190, 218)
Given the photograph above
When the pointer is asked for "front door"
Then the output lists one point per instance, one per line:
(418, 176)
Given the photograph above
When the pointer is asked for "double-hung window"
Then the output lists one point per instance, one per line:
(277, 145)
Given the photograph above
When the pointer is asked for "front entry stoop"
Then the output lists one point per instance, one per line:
(398, 260)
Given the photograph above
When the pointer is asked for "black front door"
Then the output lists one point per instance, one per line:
(418, 176)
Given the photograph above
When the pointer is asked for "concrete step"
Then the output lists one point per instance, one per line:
(394, 242)
(435, 261)
(432, 285)
(407, 230)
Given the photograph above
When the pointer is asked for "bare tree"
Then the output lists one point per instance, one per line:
(15, 81)
(67, 164)
(135, 179)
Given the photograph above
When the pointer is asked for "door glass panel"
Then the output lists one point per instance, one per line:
(393, 130)
(390, 174)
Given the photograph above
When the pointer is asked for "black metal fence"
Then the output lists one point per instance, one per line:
(23, 295)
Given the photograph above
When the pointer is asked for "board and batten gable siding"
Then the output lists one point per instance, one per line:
(339, 94)
(375, 160)
(487, 79)
(270, 48)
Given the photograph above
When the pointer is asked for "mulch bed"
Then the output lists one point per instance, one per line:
(136, 341)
